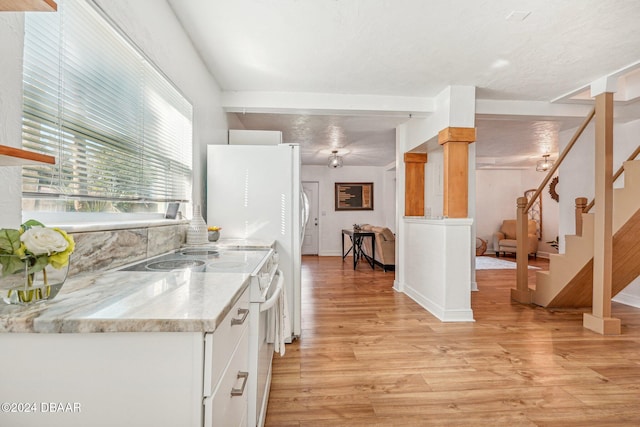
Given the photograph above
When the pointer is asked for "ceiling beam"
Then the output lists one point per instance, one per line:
(531, 109)
(325, 104)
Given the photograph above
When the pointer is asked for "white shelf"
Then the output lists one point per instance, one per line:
(28, 6)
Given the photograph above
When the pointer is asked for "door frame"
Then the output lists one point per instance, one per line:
(314, 216)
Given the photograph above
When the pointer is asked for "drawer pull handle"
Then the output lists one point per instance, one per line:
(244, 312)
(240, 391)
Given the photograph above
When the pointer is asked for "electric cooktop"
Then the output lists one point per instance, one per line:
(204, 260)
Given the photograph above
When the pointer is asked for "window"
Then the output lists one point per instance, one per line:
(121, 132)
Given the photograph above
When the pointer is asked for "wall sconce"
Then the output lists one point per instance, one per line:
(545, 164)
(335, 161)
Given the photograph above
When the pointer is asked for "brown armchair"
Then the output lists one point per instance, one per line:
(505, 240)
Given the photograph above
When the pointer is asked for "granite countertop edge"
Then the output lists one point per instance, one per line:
(131, 302)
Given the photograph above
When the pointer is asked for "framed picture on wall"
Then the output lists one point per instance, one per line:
(354, 196)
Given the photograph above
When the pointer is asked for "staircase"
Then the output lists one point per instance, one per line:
(569, 281)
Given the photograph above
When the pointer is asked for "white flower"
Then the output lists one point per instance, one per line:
(40, 241)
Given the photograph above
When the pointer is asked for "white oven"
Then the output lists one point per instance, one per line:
(267, 284)
(260, 349)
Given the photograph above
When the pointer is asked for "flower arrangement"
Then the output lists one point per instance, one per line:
(214, 228)
(36, 246)
(30, 250)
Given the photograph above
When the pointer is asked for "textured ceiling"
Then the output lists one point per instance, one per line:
(360, 140)
(535, 50)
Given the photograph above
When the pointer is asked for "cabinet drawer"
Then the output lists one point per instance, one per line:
(220, 345)
(228, 406)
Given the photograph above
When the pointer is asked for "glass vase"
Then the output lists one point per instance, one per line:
(24, 288)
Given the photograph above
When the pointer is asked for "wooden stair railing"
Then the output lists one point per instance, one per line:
(581, 206)
(522, 293)
(615, 176)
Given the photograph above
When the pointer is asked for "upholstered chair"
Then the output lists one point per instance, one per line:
(385, 246)
(505, 240)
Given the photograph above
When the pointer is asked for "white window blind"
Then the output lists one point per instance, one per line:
(121, 132)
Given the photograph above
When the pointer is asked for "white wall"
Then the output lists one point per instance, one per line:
(331, 222)
(576, 178)
(389, 197)
(550, 210)
(497, 191)
(11, 42)
(496, 194)
(234, 122)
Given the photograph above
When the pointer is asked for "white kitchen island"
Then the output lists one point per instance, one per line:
(130, 349)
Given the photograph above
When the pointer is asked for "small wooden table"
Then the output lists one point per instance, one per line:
(357, 238)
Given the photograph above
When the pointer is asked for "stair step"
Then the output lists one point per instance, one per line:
(632, 173)
(542, 278)
(568, 281)
(555, 261)
(579, 245)
(625, 199)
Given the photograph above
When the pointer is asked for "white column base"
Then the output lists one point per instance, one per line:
(437, 269)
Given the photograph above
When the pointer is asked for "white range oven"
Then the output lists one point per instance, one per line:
(266, 286)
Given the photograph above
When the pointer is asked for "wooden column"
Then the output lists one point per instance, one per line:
(581, 205)
(414, 183)
(455, 142)
(522, 294)
(600, 319)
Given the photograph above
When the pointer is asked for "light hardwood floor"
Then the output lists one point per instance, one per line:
(369, 356)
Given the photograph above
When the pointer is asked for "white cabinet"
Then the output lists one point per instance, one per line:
(227, 406)
(254, 137)
(145, 379)
(141, 379)
(226, 369)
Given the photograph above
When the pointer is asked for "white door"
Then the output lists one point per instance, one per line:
(311, 234)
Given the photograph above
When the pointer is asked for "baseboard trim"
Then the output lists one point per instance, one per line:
(444, 315)
(386, 267)
(627, 299)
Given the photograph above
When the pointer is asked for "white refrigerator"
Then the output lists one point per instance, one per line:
(254, 192)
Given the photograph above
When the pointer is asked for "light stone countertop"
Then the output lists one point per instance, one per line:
(231, 243)
(126, 301)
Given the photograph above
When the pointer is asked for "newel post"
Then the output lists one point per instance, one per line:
(522, 293)
(581, 205)
(600, 319)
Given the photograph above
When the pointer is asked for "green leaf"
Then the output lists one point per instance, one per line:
(9, 241)
(31, 223)
(11, 265)
(40, 263)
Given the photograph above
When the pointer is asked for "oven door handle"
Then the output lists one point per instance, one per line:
(274, 298)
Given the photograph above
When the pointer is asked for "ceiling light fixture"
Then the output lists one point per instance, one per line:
(335, 161)
(544, 164)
